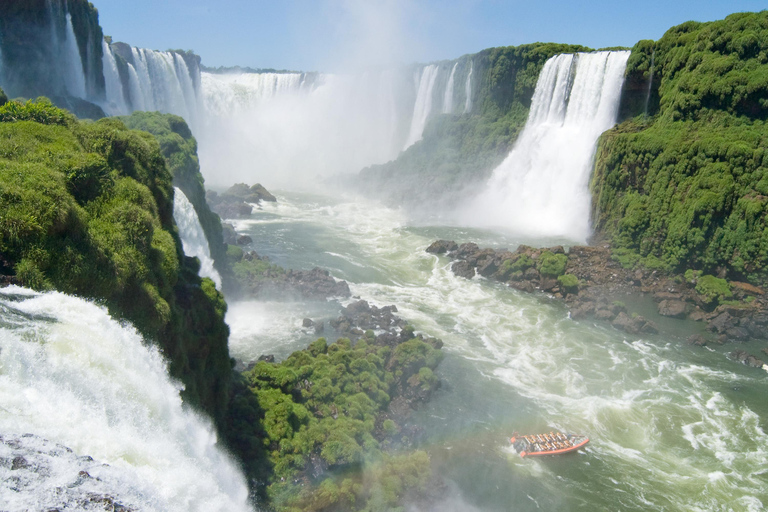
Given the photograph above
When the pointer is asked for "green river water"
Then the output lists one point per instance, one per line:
(672, 427)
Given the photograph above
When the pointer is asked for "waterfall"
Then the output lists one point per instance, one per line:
(192, 235)
(115, 99)
(541, 188)
(74, 76)
(81, 391)
(423, 105)
(286, 129)
(225, 93)
(468, 90)
(650, 85)
(448, 97)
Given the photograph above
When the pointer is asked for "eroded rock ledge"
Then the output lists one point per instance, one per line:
(591, 283)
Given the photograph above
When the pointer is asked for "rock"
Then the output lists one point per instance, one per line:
(523, 286)
(269, 358)
(721, 323)
(737, 334)
(697, 339)
(747, 288)
(547, 284)
(319, 327)
(668, 296)
(531, 274)
(463, 269)
(673, 308)
(747, 359)
(465, 250)
(606, 314)
(625, 323)
(244, 240)
(634, 325)
(442, 247)
(488, 268)
(307, 322)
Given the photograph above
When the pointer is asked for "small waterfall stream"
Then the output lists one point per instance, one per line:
(192, 235)
(448, 97)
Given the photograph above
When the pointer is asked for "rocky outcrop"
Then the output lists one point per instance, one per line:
(238, 200)
(260, 278)
(591, 283)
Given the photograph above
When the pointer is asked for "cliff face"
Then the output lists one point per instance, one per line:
(459, 151)
(51, 48)
(87, 209)
(179, 148)
(684, 183)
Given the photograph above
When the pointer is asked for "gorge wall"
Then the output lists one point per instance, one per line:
(683, 182)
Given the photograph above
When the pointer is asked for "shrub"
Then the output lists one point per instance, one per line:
(569, 283)
(551, 264)
(712, 289)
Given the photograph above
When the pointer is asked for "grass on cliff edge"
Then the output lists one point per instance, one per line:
(87, 208)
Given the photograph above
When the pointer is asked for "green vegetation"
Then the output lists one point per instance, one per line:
(688, 188)
(551, 264)
(569, 283)
(713, 290)
(461, 150)
(512, 266)
(179, 148)
(323, 408)
(86, 208)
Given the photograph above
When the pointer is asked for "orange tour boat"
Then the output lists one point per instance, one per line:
(553, 443)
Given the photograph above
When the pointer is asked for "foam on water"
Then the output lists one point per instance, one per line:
(656, 415)
(72, 375)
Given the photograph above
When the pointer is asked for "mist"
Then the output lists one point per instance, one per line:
(289, 131)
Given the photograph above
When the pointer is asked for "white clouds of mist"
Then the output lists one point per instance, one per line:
(346, 121)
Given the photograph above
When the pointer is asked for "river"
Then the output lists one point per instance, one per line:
(672, 427)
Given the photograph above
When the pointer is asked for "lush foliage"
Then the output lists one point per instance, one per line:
(86, 208)
(551, 264)
(321, 411)
(689, 188)
(179, 148)
(461, 150)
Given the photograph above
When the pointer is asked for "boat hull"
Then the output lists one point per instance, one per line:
(539, 445)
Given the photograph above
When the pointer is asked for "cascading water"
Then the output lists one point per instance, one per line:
(72, 64)
(448, 97)
(286, 129)
(423, 105)
(223, 93)
(650, 85)
(541, 188)
(115, 99)
(468, 90)
(192, 235)
(73, 378)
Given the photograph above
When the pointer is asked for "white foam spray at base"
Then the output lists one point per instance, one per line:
(192, 235)
(541, 188)
(72, 375)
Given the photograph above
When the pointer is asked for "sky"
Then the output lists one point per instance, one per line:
(335, 35)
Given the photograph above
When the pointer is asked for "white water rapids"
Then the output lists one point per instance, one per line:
(672, 427)
(73, 376)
